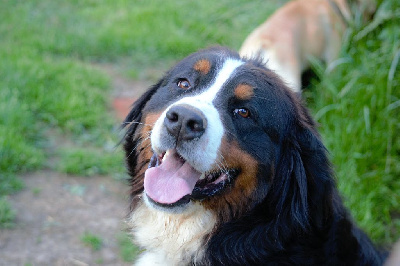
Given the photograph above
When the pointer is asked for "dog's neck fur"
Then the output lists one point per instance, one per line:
(169, 238)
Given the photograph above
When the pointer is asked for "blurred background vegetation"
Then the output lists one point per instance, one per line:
(55, 97)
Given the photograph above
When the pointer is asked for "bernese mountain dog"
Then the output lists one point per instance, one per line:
(227, 168)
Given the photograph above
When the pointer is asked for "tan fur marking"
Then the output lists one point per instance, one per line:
(237, 199)
(144, 147)
(149, 121)
(203, 66)
(244, 92)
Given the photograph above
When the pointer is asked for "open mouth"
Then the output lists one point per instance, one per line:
(171, 181)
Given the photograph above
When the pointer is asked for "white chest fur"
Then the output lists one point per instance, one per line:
(171, 238)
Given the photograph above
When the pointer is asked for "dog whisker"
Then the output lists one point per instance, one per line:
(222, 163)
(135, 122)
(139, 143)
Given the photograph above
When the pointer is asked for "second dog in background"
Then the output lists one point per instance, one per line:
(300, 30)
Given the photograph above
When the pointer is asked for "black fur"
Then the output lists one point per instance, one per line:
(301, 220)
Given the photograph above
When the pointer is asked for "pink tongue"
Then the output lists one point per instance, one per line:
(170, 181)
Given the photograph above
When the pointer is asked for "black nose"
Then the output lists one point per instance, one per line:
(185, 122)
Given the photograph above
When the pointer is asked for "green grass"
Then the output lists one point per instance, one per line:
(50, 82)
(128, 251)
(42, 91)
(357, 106)
(90, 162)
(93, 241)
(7, 214)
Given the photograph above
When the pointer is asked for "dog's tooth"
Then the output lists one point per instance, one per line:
(203, 175)
(167, 153)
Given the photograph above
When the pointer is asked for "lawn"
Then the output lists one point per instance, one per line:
(51, 83)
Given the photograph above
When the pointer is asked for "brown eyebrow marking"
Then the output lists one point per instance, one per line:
(203, 66)
(244, 91)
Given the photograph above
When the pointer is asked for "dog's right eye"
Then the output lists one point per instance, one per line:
(243, 112)
(183, 84)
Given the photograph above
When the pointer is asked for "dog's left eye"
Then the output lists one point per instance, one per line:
(183, 84)
(243, 112)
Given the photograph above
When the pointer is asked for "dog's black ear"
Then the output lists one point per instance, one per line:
(131, 140)
(303, 183)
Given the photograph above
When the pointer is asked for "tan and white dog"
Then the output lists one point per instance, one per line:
(300, 30)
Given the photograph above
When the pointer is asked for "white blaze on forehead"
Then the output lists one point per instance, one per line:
(207, 151)
(223, 75)
(206, 97)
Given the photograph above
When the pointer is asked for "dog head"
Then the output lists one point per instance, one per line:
(226, 133)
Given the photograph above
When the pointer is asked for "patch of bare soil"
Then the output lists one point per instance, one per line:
(125, 91)
(54, 211)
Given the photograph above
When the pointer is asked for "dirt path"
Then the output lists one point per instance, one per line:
(54, 211)
(125, 91)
